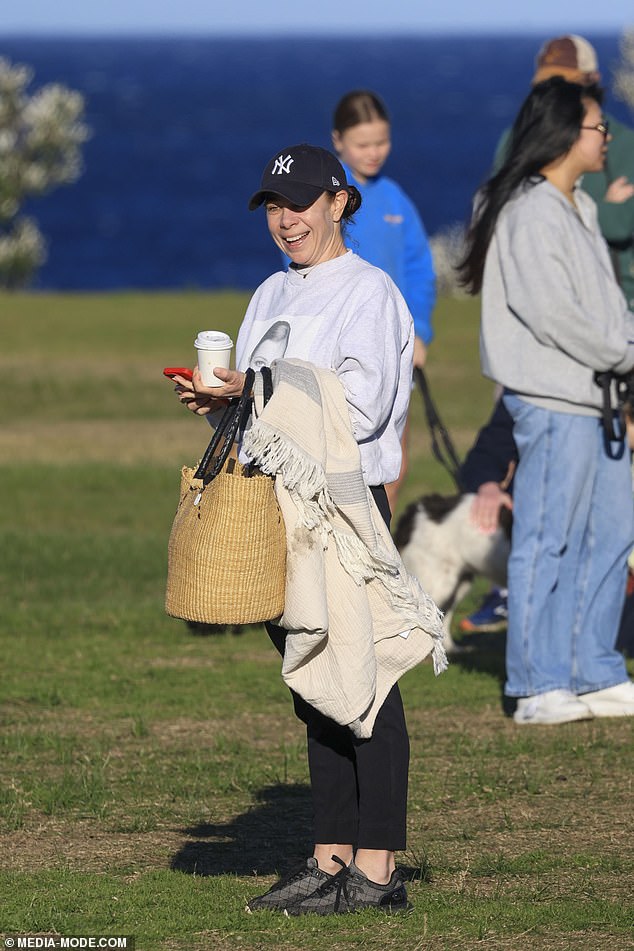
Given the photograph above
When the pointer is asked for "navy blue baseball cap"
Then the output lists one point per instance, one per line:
(300, 174)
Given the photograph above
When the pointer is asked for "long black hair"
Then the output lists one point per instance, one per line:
(546, 127)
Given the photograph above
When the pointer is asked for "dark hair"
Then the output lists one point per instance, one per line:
(353, 204)
(357, 107)
(546, 127)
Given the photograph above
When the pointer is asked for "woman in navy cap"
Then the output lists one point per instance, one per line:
(340, 313)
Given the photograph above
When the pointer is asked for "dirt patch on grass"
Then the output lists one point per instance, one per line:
(253, 729)
(122, 741)
(82, 846)
(90, 366)
(125, 442)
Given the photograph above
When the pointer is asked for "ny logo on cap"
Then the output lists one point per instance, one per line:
(282, 165)
(335, 181)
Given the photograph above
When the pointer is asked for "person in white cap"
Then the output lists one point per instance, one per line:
(612, 188)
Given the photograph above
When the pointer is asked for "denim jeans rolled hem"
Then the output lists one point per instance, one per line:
(590, 689)
(535, 693)
(573, 527)
(579, 690)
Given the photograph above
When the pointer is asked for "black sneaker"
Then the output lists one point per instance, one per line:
(349, 891)
(293, 887)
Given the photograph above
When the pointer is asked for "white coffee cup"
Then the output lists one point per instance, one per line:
(214, 350)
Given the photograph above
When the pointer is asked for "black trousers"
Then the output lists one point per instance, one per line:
(359, 787)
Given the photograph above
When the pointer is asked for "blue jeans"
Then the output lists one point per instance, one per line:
(573, 528)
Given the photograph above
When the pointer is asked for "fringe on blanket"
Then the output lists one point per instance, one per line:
(304, 478)
(306, 483)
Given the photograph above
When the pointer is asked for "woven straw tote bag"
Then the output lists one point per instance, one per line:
(227, 546)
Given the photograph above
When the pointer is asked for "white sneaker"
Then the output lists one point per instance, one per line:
(617, 701)
(554, 706)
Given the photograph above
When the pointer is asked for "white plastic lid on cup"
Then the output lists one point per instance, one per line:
(213, 340)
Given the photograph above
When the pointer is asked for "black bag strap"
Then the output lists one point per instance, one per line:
(233, 419)
(267, 384)
(445, 454)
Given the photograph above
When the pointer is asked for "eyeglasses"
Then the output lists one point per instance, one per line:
(602, 127)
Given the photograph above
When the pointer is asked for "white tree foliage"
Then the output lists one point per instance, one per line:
(41, 135)
(624, 73)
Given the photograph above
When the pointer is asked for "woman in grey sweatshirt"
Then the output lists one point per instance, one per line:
(552, 316)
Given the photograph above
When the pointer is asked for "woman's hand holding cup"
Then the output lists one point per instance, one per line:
(201, 399)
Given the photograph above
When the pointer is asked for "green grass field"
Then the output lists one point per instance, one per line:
(154, 778)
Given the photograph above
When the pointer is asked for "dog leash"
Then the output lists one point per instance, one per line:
(445, 453)
(613, 419)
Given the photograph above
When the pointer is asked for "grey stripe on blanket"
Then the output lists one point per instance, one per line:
(356, 618)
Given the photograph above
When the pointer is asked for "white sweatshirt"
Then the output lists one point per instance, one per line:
(347, 316)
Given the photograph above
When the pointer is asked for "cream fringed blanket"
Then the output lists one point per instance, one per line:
(357, 619)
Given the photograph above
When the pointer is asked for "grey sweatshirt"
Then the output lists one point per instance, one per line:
(348, 316)
(552, 311)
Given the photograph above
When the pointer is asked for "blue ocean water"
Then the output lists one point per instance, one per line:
(181, 129)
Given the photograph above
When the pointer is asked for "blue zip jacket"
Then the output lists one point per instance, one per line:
(387, 231)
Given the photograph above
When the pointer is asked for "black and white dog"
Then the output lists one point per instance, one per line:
(442, 547)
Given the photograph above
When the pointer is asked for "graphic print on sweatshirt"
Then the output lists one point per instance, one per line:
(272, 338)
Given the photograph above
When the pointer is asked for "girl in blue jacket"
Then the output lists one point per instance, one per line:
(388, 232)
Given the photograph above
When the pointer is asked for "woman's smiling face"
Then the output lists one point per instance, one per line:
(309, 235)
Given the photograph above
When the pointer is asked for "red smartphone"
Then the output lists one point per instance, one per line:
(178, 371)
